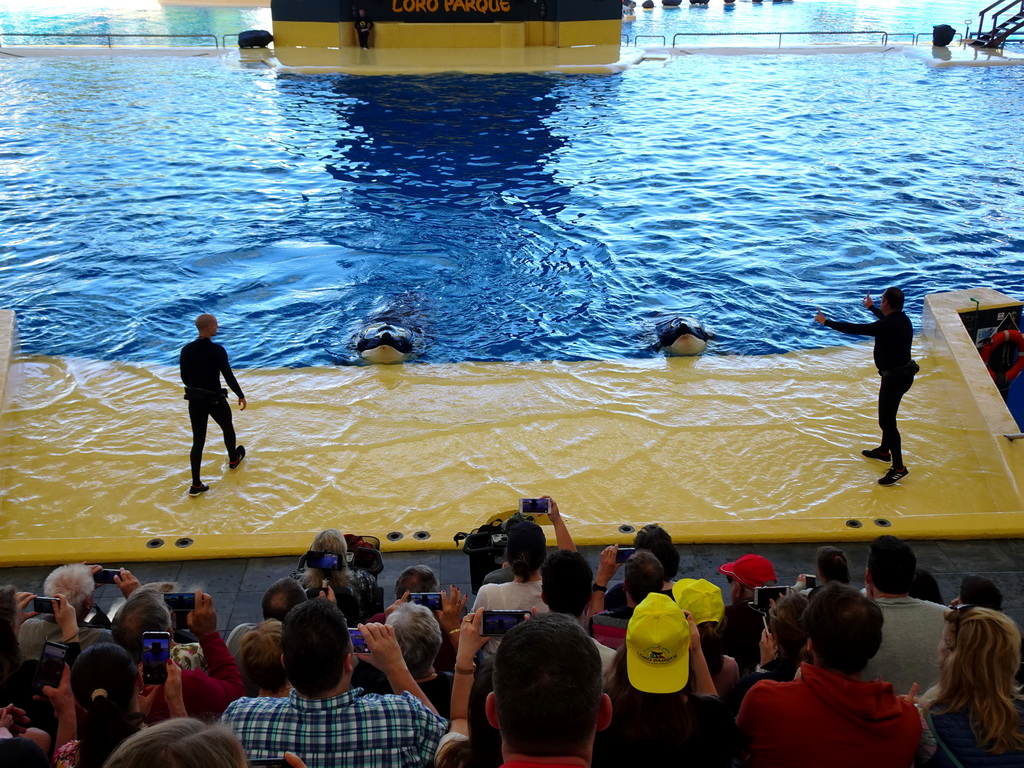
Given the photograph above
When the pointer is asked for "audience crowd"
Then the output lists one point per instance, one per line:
(573, 669)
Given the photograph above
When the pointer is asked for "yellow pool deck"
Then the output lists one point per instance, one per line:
(717, 448)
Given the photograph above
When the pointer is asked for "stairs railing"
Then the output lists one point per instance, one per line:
(1012, 14)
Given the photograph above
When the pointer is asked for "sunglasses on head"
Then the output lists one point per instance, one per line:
(959, 611)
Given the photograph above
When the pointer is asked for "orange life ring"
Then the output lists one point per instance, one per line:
(997, 340)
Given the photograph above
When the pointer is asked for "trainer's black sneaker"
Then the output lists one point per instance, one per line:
(893, 476)
(877, 453)
(239, 455)
(195, 490)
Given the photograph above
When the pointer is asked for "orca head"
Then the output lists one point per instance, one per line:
(385, 343)
(682, 336)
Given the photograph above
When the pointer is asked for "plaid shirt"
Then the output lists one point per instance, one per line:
(350, 730)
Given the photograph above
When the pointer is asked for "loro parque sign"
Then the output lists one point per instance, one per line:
(446, 11)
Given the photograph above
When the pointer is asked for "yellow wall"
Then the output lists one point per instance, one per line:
(572, 33)
(312, 34)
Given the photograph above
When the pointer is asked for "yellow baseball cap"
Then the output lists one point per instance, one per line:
(658, 646)
(701, 598)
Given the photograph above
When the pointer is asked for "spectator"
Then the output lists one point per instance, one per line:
(743, 625)
(261, 659)
(563, 540)
(181, 743)
(644, 575)
(913, 627)
(664, 706)
(704, 602)
(658, 542)
(419, 637)
(782, 646)
(566, 587)
(832, 566)
(471, 741)
(926, 588)
(17, 751)
(74, 582)
(980, 591)
(325, 720)
(547, 699)
(278, 600)
(416, 578)
(830, 715)
(206, 694)
(976, 712)
(343, 580)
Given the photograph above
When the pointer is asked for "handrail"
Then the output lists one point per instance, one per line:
(884, 34)
(224, 38)
(107, 35)
(649, 37)
(917, 36)
(1008, 4)
(1015, 436)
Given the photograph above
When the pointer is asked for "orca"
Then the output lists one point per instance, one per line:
(682, 336)
(385, 343)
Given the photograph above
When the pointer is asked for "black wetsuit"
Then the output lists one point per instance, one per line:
(894, 335)
(202, 364)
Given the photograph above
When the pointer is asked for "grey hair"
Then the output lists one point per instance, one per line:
(143, 611)
(182, 742)
(416, 578)
(418, 635)
(329, 540)
(74, 581)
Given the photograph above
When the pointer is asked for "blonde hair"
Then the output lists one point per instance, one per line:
(182, 742)
(976, 675)
(261, 656)
(330, 540)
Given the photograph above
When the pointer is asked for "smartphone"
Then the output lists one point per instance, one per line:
(325, 561)
(267, 762)
(106, 576)
(43, 604)
(811, 581)
(358, 641)
(764, 595)
(624, 554)
(51, 666)
(534, 506)
(431, 600)
(180, 601)
(497, 623)
(156, 650)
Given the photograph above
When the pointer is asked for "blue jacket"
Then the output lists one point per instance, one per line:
(954, 730)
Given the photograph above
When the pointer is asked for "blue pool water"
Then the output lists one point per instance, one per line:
(508, 217)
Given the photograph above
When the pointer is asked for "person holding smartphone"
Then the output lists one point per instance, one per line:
(202, 364)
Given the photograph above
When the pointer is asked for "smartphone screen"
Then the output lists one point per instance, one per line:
(624, 553)
(811, 581)
(496, 623)
(534, 506)
(358, 641)
(431, 600)
(764, 595)
(51, 666)
(180, 601)
(156, 650)
(43, 604)
(267, 762)
(325, 561)
(106, 576)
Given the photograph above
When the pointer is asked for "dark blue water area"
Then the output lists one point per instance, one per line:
(505, 218)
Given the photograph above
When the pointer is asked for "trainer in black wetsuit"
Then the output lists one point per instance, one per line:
(363, 27)
(893, 334)
(202, 364)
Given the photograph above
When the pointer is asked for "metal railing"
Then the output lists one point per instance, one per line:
(109, 37)
(649, 37)
(917, 36)
(1006, 6)
(885, 35)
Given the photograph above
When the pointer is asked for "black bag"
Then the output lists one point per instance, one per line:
(254, 38)
(942, 35)
(205, 396)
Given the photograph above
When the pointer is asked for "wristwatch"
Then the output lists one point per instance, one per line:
(598, 588)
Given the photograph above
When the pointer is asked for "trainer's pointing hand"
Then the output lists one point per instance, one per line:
(820, 318)
(868, 303)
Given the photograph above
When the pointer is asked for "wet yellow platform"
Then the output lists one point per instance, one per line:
(716, 448)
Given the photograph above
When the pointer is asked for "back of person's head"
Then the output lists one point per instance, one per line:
(526, 548)
(10, 657)
(643, 575)
(143, 611)
(260, 655)
(656, 539)
(892, 564)
(925, 587)
(283, 595)
(416, 578)
(418, 635)
(894, 296)
(784, 621)
(547, 687)
(976, 674)
(74, 581)
(315, 643)
(181, 742)
(844, 626)
(483, 747)
(978, 590)
(833, 565)
(566, 580)
(329, 540)
(103, 680)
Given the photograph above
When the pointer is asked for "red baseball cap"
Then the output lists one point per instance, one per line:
(750, 570)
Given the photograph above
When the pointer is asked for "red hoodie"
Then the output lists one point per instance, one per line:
(825, 719)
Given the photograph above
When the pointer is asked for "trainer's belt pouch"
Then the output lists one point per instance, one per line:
(910, 369)
(205, 396)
